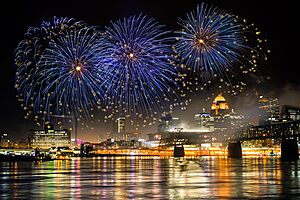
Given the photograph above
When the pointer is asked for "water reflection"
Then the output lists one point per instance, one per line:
(150, 178)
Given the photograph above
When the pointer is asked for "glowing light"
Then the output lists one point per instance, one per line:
(131, 55)
(201, 41)
(78, 68)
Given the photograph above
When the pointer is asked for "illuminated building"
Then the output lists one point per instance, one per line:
(268, 112)
(225, 121)
(167, 122)
(219, 109)
(154, 136)
(47, 138)
(204, 121)
(290, 113)
(4, 141)
(219, 106)
(129, 136)
(119, 132)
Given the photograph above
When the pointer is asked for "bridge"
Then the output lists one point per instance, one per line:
(287, 132)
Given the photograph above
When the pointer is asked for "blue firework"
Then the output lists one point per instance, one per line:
(142, 67)
(219, 51)
(68, 73)
(57, 68)
(212, 41)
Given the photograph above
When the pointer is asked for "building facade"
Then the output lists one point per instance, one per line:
(268, 110)
(290, 113)
(226, 121)
(49, 137)
(167, 122)
(119, 129)
(204, 121)
(219, 106)
(4, 141)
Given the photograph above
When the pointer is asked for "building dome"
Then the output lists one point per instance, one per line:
(219, 98)
(219, 106)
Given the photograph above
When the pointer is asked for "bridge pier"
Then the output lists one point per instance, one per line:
(178, 151)
(289, 150)
(234, 149)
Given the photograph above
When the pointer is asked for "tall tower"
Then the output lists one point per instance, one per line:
(120, 128)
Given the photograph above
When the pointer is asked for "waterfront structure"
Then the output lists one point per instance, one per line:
(180, 136)
(268, 112)
(49, 137)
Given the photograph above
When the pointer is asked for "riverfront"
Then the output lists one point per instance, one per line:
(134, 177)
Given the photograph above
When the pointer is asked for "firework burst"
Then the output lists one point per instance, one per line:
(213, 42)
(141, 61)
(218, 50)
(57, 69)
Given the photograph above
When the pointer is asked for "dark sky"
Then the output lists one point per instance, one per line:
(278, 20)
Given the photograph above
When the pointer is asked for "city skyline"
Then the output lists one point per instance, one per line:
(281, 65)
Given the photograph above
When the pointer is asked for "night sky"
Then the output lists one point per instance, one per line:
(278, 20)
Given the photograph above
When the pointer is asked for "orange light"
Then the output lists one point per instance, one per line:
(201, 41)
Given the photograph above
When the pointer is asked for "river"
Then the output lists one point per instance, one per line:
(151, 178)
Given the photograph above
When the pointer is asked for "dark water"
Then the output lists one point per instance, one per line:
(151, 178)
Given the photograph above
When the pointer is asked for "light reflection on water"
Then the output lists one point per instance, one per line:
(151, 178)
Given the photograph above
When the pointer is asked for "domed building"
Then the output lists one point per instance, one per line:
(219, 106)
(225, 121)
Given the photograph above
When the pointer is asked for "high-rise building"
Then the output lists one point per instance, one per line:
(119, 126)
(290, 113)
(204, 121)
(47, 138)
(268, 112)
(167, 122)
(226, 122)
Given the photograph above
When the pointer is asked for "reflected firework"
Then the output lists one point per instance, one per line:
(141, 61)
(58, 68)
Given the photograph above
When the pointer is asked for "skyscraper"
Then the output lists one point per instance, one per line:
(268, 110)
(119, 132)
(226, 122)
